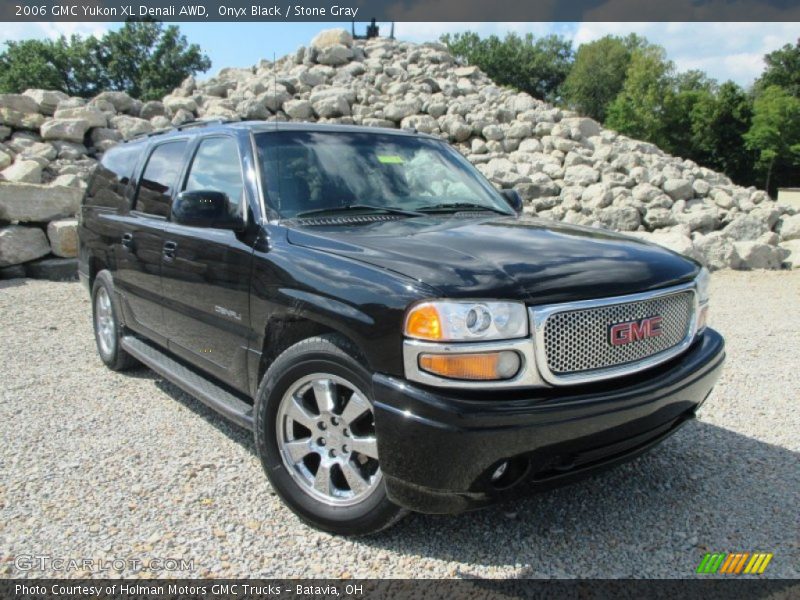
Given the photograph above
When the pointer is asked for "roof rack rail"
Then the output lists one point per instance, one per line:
(189, 125)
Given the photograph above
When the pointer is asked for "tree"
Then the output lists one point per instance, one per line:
(718, 124)
(639, 109)
(775, 132)
(598, 74)
(535, 65)
(144, 59)
(148, 60)
(783, 69)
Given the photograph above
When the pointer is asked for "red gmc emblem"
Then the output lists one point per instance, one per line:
(634, 331)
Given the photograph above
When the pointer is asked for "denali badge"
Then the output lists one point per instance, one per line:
(633, 331)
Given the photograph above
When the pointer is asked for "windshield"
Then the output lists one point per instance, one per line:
(316, 172)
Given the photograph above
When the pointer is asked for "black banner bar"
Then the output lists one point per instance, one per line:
(398, 589)
(402, 10)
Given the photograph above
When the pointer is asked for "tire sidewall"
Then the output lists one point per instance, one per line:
(364, 517)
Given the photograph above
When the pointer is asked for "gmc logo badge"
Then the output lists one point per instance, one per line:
(634, 331)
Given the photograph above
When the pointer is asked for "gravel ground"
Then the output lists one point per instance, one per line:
(105, 465)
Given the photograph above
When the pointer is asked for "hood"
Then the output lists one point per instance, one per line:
(521, 258)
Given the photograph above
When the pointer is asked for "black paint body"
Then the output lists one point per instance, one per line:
(219, 299)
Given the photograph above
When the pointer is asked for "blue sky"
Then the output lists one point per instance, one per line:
(723, 50)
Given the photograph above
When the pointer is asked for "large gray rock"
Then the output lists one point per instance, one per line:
(94, 117)
(790, 227)
(37, 203)
(335, 55)
(673, 240)
(22, 171)
(331, 102)
(63, 236)
(152, 109)
(71, 130)
(121, 101)
(746, 227)
(176, 103)
(717, 251)
(298, 109)
(581, 175)
(20, 120)
(792, 251)
(581, 127)
(331, 37)
(397, 111)
(20, 244)
(130, 127)
(53, 269)
(678, 189)
(19, 102)
(620, 218)
(46, 99)
(757, 255)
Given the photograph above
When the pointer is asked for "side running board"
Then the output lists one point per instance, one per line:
(191, 381)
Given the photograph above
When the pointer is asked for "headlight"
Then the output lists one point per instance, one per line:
(463, 321)
(702, 282)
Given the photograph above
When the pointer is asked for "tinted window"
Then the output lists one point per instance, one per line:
(312, 171)
(216, 167)
(111, 177)
(160, 177)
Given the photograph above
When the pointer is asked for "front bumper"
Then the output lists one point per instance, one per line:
(439, 447)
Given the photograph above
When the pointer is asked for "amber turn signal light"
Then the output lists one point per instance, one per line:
(423, 322)
(484, 366)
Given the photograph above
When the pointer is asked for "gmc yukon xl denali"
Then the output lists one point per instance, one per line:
(393, 331)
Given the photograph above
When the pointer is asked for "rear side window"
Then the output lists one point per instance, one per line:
(160, 178)
(111, 177)
(216, 167)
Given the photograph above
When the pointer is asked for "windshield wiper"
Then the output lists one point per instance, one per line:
(461, 206)
(335, 209)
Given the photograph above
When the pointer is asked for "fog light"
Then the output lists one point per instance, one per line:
(484, 366)
(500, 471)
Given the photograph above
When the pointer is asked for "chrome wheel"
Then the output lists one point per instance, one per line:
(104, 322)
(326, 437)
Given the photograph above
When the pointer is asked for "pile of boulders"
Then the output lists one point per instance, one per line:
(566, 168)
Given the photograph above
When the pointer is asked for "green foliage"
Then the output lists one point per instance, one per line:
(598, 74)
(718, 123)
(783, 69)
(144, 59)
(535, 65)
(775, 132)
(639, 110)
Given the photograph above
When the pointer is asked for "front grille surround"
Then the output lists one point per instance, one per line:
(563, 357)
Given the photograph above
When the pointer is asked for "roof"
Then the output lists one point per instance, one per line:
(196, 127)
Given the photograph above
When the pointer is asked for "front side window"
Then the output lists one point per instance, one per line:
(160, 178)
(110, 180)
(310, 171)
(216, 167)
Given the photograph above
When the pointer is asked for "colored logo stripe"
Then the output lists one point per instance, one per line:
(734, 563)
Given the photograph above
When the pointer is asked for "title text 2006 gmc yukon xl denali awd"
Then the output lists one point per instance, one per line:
(397, 336)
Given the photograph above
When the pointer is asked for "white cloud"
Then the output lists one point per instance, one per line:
(22, 31)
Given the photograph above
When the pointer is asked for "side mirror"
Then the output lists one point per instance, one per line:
(205, 208)
(513, 198)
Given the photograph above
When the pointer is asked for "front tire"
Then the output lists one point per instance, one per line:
(108, 329)
(315, 435)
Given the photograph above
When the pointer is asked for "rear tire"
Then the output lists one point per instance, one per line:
(108, 330)
(315, 435)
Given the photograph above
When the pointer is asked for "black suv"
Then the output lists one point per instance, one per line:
(395, 333)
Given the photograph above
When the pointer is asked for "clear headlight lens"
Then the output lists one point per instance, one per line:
(463, 321)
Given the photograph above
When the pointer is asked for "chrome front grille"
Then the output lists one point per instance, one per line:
(574, 342)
